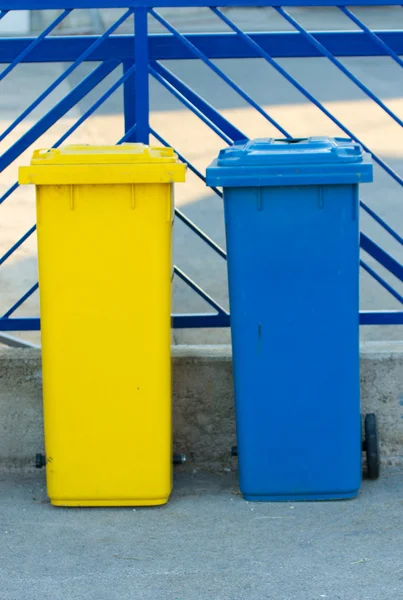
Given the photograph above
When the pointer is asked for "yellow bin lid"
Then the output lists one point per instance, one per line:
(82, 164)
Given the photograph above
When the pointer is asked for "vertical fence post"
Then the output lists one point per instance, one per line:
(129, 101)
(141, 75)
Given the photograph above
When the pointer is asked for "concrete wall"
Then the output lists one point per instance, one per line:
(203, 402)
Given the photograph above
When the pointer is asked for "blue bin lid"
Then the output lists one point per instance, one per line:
(281, 162)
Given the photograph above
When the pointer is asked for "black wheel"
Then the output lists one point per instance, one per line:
(40, 461)
(234, 451)
(179, 459)
(372, 446)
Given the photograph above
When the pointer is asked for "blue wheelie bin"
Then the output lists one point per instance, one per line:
(291, 216)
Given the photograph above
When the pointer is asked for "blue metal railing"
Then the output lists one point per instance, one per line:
(141, 54)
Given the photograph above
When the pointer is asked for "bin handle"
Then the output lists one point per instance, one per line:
(291, 140)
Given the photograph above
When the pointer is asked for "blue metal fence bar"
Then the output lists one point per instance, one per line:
(381, 222)
(184, 159)
(25, 324)
(372, 35)
(181, 215)
(129, 99)
(126, 75)
(380, 317)
(21, 301)
(45, 4)
(60, 109)
(180, 273)
(67, 134)
(200, 233)
(8, 192)
(205, 107)
(194, 286)
(141, 76)
(338, 64)
(194, 227)
(128, 136)
(35, 42)
(195, 321)
(199, 291)
(66, 73)
(191, 283)
(278, 44)
(367, 315)
(189, 105)
(382, 257)
(381, 281)
(262, 53)
(100, 73)
(13, 248)
(218, 71)
(85, 116)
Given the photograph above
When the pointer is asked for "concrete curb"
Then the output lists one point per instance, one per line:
(204, 425)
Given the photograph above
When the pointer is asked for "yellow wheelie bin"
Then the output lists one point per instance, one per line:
(104, 220)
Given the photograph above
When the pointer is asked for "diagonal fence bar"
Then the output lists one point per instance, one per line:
(199, 291)
(183, 159)
(8, 193)
(83, 118)
(69, 132)
(128, 135)
(66, 73)
(381, 222)
(17, 244)
(199, 232)
(20, 301)
(375, 38)
(197, 102)
(58, 111)
(205, 107)
(381, 281)
(190, 106)
(218, 71)
(308, 36)
(34, 43)
(96, 105)
(263, 54)
(382, 257)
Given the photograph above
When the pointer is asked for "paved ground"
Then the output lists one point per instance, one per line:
(207, 543)
(197, 143)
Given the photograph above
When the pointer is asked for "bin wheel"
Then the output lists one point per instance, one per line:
(40, 461)
(234, 451)
(179, 459)
(371, 446)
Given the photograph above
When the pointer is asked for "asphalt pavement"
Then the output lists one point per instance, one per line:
(207, 543)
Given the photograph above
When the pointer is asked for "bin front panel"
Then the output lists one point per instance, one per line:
(104, 274)
(293, 258)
